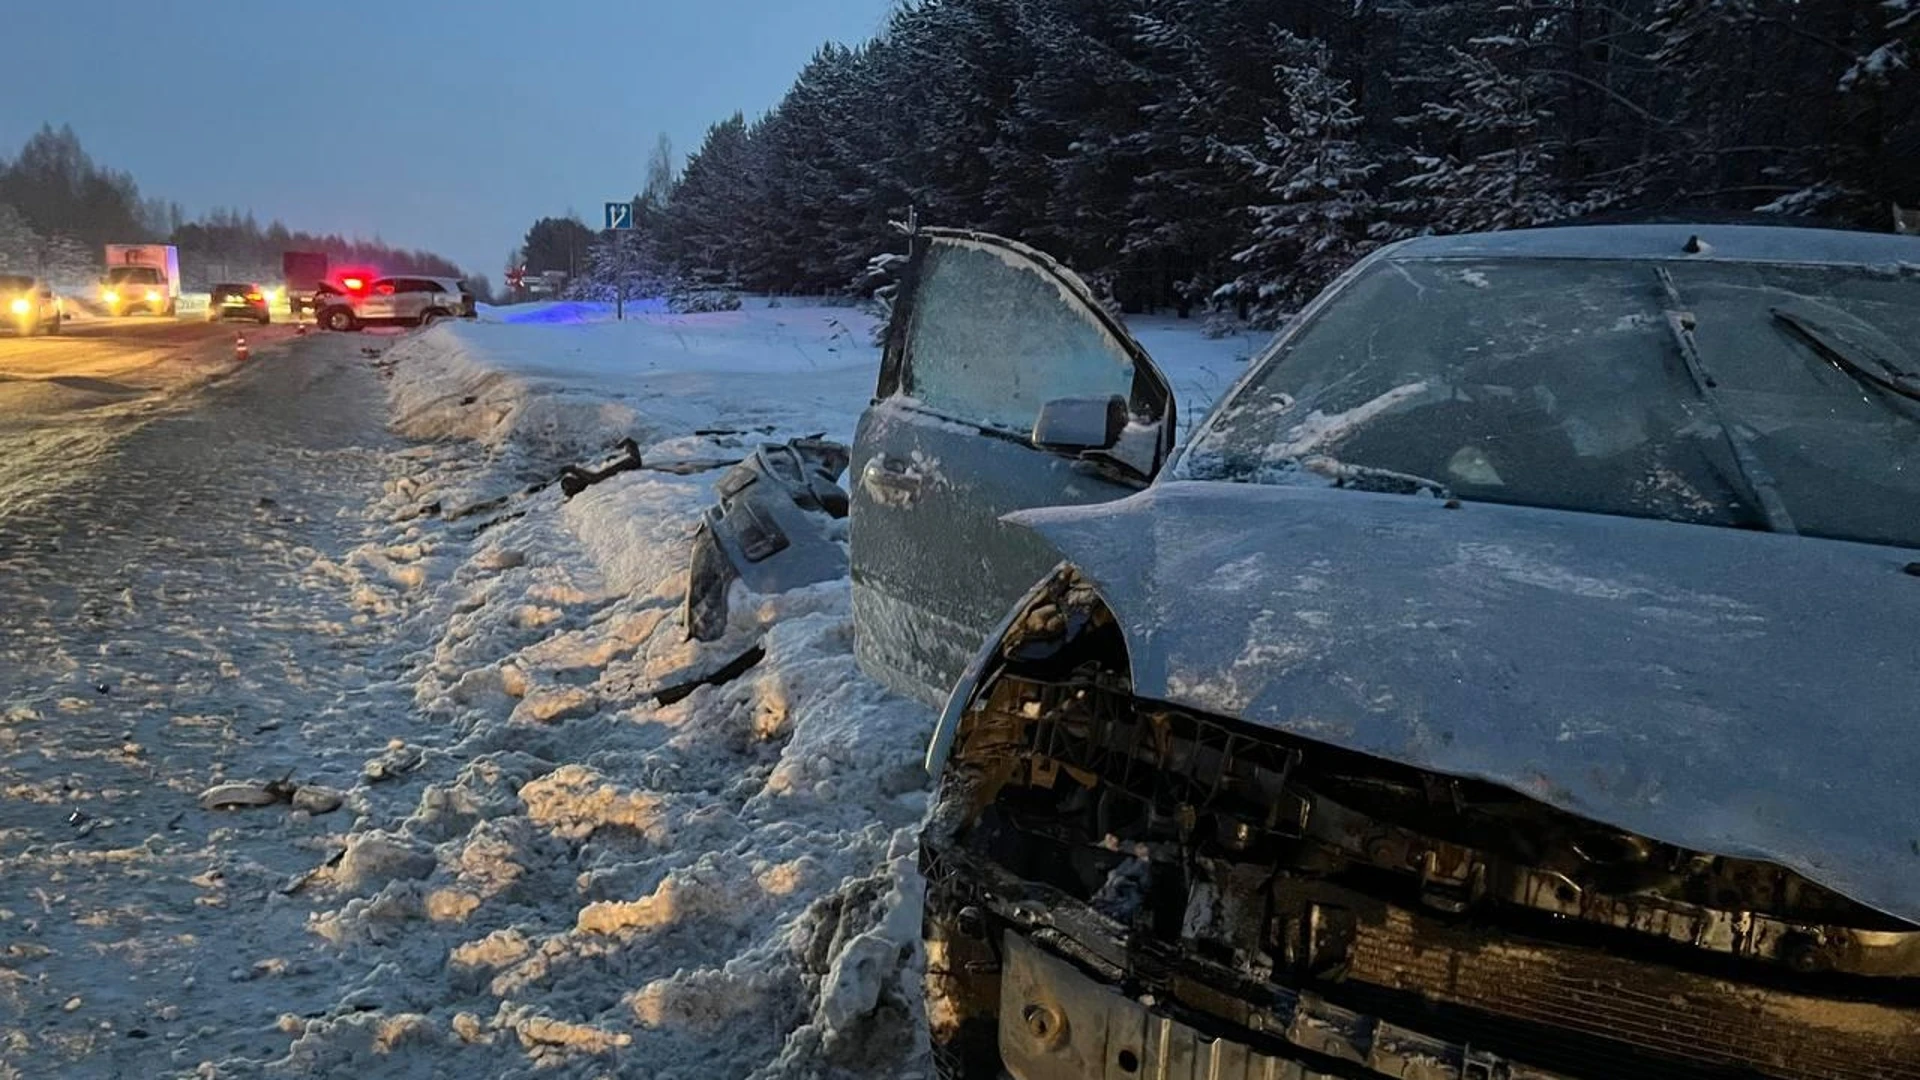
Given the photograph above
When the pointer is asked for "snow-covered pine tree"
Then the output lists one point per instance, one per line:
(1313, 218)
(1882, 85)
(618, 257)
(69, 263)
(1789, 106)
(820, 142)
(1489, 151)
(1211, 69)
(19, 244)
(710, 222)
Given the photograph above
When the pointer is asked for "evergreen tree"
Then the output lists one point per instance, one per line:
(708, 221)
(19, 244)
(1318, 207)
(1489, 162)
(1167, 146)
(556, 243)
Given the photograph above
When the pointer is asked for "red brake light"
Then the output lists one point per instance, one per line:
(354, 283)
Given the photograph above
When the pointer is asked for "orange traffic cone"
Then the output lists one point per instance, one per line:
(239, 346)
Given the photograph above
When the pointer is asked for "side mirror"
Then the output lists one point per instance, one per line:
(1080, 423)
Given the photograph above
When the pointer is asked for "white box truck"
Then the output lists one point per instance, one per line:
(141, 277)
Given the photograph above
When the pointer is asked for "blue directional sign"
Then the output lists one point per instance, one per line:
(619, 215)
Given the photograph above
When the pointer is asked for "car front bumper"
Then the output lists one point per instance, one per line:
(1057, 1023)
(1060, 947)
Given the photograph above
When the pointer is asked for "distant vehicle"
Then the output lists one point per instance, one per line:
(141, 277)
(30, 305)
(394, 301)
(1512, 676)
(235, 301)
(304, 272)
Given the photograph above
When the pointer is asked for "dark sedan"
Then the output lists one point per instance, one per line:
(236, 301)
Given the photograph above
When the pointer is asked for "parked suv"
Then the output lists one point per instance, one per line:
(29, 305)
(398, 301)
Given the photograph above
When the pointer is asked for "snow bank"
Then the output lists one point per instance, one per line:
(567, 878)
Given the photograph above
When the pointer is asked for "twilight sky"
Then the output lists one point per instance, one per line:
(441, 124)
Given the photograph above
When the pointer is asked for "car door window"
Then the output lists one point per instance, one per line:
(989, 341)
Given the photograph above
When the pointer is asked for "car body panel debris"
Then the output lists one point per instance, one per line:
(769, 529)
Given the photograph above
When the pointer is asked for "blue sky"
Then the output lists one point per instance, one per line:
(443, 124)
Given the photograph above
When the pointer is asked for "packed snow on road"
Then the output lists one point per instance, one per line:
(509, 820)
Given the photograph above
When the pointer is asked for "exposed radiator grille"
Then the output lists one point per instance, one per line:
(1685, 1025)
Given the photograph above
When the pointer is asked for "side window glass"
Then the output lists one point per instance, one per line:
(383, 288)
(994, 335)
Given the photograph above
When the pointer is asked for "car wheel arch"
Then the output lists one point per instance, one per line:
(1062, 623)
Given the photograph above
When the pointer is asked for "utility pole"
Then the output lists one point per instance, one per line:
(620, 224)
(620, 277)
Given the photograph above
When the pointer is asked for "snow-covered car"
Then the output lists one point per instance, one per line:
(404, 300)
(1516, 675)
(29, 305)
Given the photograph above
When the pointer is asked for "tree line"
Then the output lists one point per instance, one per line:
(1242, 151)
(58, 208)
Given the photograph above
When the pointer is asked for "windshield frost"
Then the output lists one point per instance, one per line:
(1558, 383)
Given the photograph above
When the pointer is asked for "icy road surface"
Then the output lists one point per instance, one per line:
(343, 570)
(163, 623)
(64, 397)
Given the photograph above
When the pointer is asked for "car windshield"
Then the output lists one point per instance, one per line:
(1563, 384)
(133, 275)
(15, 283)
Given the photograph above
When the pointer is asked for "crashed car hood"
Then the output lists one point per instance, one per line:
(1738, 693)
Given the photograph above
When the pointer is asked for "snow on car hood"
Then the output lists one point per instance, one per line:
(1739, 693)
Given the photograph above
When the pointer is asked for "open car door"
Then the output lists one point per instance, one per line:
(1004, 386)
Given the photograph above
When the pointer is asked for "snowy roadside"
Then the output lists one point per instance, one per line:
(579, 871)
(567, 874)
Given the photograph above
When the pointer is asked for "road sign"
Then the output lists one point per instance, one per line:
(619, 215)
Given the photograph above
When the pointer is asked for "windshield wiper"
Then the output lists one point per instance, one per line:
(1853, 352)
(1372, 478)
(1761, 490)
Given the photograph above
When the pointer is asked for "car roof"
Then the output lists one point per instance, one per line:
(1740, 243)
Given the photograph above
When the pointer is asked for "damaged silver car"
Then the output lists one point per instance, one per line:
(1517, 674)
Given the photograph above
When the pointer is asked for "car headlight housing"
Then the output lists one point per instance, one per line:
(110, 296)
(20, 306)
(153, 296)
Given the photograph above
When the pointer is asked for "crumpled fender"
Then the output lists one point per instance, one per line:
(966, 689)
